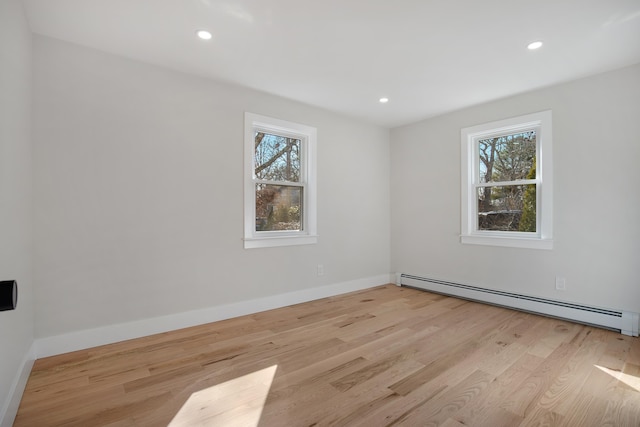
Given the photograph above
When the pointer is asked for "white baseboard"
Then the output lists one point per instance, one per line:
(9, 409)
(80, 340)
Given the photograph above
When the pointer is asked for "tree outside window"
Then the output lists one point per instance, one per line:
(505, 159)
(277, 159)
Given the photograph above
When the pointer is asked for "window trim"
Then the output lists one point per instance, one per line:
(308, 137)
(543, 237)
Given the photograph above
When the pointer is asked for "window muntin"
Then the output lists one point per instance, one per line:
(280, 188)
(506, 182)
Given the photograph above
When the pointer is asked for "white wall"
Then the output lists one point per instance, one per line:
(596, 131)
(138, 190)
(16, 326)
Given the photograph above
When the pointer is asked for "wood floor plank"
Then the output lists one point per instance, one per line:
(535, 386)
(568, 384)
(483, 410)
(436, 411)
(540, 417)
(627, 408)
(588, 411)
(383, 356)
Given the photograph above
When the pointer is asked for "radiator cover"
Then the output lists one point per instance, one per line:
(625, 322)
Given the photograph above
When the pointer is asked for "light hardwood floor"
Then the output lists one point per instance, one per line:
(383, 356)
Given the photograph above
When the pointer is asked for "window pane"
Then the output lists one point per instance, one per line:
(507, 208)
(277, 158)
(508, 158)
(278, 207)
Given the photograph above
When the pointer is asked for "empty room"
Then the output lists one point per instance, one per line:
(329, 213)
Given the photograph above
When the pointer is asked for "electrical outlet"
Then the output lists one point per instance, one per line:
(561, 283)
(320, 270)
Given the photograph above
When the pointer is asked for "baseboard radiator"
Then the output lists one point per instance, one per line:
(625, 322)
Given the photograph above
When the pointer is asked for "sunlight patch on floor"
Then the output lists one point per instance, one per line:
(238, 402)
(630, 380)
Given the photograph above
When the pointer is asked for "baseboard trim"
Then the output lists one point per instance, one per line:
(10, 407)
(80, 340)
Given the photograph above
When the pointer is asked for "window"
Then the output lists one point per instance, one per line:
(507, 182)
(280, 183)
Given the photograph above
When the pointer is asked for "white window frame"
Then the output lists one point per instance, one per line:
(307, 136)
(470, 181)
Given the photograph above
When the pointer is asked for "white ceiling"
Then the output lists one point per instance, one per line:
(427, 56)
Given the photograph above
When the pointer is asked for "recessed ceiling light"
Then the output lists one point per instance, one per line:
(384, 100)
(534, 45)
(204, 34)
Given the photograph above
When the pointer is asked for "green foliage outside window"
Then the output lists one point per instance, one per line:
(528, 219)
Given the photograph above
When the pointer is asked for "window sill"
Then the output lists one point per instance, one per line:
(275, 241)
(509, 242)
